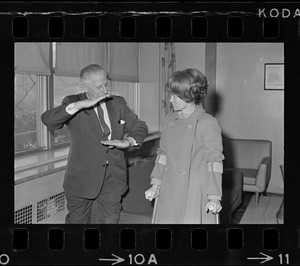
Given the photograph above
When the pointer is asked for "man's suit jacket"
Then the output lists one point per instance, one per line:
(87, 156)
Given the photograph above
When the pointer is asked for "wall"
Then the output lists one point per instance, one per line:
(149, 85)
(190, 55)
(45, 197)
(245, 109)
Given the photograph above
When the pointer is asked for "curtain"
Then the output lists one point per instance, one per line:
(168, 68)
(72, 57)
(32, 58)
(123, 62)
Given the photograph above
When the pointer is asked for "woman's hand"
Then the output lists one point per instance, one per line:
(214, 206)
(152, 192)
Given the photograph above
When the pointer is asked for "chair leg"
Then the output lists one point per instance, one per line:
(256, 198)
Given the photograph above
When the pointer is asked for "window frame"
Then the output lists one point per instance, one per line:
(40, 106)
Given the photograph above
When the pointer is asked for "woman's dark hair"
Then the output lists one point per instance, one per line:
(190, 85)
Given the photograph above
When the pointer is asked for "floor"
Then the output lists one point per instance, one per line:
(264, 213)
(247, 213)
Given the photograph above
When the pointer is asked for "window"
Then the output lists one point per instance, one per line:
(35, 93)
(149, 105)
(63, 86)
(127, 90)
(26, 120)
(142, 99)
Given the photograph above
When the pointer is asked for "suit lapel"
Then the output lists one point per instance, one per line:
(93, 116)
(91, 113)
(82, 96)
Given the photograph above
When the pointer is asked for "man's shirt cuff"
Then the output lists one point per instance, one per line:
(214, 197)
(132, 141)
(70, 109)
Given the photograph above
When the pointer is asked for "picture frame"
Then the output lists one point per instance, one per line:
(274, 76)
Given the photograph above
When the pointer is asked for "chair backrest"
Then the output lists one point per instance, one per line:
(245, 153)
(134, 200)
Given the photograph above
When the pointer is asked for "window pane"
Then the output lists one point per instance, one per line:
(149, 106)
(26, 87)
(64, 86)
(126, 90)
(143, 100)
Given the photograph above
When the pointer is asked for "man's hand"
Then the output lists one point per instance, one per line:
(90, 101)
(121, 144)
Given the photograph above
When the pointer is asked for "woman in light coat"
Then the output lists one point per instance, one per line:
(187, 176)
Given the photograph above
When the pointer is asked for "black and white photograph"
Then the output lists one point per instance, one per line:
(149, 133)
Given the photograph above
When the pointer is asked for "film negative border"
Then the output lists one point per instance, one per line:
(154, 244)
(235, 26)
(141, 244)
(259, 22)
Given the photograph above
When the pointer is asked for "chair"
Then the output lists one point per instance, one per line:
(280, 213)
(253, 157)
(232, 187)
(136, 209)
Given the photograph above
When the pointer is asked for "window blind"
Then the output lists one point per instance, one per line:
(32, 58)
(124, 61)
(72, 57)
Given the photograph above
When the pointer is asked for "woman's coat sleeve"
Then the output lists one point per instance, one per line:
(212, 139)
(160, 162)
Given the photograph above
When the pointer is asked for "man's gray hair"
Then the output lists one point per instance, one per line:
(93, 68)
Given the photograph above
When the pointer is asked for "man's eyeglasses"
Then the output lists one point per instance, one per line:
(102, 86)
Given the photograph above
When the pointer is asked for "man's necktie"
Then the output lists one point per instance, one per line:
(105, 128)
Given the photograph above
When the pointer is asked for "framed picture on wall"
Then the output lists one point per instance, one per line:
(274, 76)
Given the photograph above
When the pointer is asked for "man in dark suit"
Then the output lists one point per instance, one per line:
(96, 168)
